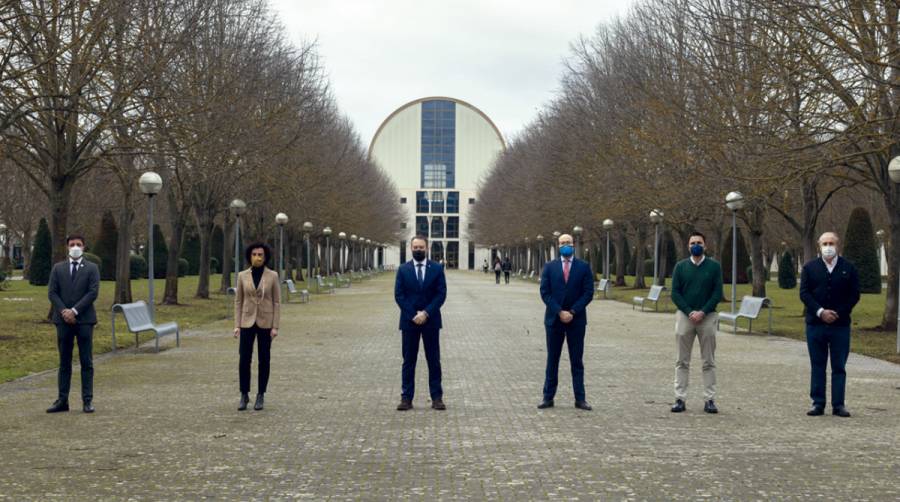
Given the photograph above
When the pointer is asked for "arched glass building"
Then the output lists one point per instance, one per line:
(436, 149)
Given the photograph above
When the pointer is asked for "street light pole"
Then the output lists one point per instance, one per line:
(327, 232)
(342, 236)
(735, 202)
(607, 225)
(281, 219)
(656, 216)
(237, 207)
(894, 173)
(150, 183)
(307, 228)
(579, 252)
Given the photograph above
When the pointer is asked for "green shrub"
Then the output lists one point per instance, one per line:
(42, 256)
(138, 267)
(91, 257)
(743, 259)
(214, 265)
(106, 247)
(861, 249)
(160, 253)
(183, 267)
(787, 272)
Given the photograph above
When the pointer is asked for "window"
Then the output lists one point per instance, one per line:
(453, 255)
(452, 227)
(438, 144)
(403, 200)
(471, 226)
(402, 252)
(421, 202)
(453, 202)
(437, 251)
(437, 202)
(471, 201)
(471, 255)
(437, 227)
(421, 225)
(403, 225)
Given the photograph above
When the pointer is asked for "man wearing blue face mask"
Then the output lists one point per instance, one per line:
(567, 287)
(696, 291)
(829, 289)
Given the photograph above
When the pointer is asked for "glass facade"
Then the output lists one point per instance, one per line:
(453, 202)
(437, 202)
(453, 227)
(437, 227)
(421, 202)
(421, 225)
(438, 144)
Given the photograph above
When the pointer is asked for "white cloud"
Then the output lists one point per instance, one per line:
(503, 56)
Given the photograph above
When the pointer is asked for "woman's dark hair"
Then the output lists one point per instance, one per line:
(267, 251)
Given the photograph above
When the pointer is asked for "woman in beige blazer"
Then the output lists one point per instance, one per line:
(257, 308)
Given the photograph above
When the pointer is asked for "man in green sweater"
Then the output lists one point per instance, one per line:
(696, 291)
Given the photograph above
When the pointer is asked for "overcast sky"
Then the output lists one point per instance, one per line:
(503, 56)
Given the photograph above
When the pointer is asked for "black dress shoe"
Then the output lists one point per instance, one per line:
(583, 405)
(840, 411)
(259, 402)
(58, 406)
(679, 406)
(546, 403)
(88, 407)
(245, 399)
(438, 404)
(816, 411)
(405, 404)
(710, 407)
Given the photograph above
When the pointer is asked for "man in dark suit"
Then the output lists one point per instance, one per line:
(420, 290)
(567, 287)
(829, 289)
(74, 285)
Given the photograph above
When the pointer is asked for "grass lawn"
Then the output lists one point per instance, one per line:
(28, 341)
(787, 317)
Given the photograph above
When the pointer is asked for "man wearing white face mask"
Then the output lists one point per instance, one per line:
(74, 285)
(829, 288)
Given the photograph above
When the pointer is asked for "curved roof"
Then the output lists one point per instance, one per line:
(433, 98)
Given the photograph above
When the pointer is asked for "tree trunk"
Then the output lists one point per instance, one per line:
(26, 253)
(663, 255)
(176, 237)
(227, 251)
(639, 257)
(755, 223)
(60, 197)
(810, 216)
(204, 230)
(621, 266)
(889, 320)
(123, 292)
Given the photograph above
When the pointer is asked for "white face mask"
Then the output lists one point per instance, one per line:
(75, 252)
(829, 252)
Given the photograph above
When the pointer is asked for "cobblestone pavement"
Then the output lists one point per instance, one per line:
(166, 425)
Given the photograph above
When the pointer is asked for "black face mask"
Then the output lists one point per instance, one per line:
(418, 255)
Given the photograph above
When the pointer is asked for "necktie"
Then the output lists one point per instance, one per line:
(566, 265)
(74, 269)
(419, 274)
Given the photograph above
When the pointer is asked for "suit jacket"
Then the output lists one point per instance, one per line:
(79, 295)
(573, 296)
(838, 291)
(260, 306)
(411, 298)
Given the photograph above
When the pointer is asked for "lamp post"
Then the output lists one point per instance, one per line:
(281, 219)
(238, 207)
(735, 202)
(540, 253)
(307, 229)
(151, 184)
(343, 238)
(607, 225)
(554, 247)
(369, 257)
(328, 265)
(894, 173)
(526, 254)
(881, 255)
(5, 243)
(578, 230)
(656, 217)
(352, 254)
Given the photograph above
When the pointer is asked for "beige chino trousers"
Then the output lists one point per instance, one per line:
(685, 332)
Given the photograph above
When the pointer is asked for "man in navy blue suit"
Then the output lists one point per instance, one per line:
(420, 291)
(829, 288)
(567, 287)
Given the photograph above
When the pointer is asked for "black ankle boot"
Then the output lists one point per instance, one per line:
(245, 398)
(259, 402)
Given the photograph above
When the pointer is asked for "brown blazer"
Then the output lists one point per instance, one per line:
(260, 306)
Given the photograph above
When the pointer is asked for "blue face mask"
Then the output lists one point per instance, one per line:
(566, 250)
(697, 250)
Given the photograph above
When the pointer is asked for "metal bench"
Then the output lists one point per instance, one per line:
(751, 306)
(342, 281)
(603, 287)
(292, 290)
(137, 317)
(531, 276)
(324, 286)
(655, 295)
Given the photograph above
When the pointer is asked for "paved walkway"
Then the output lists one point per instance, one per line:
(167, 428)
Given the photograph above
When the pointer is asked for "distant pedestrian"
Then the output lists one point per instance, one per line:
(829, 288)
(485, 266)
(498, 268)
(507, 268)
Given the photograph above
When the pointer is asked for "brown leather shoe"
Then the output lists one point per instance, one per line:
(405, 404)
(438, 404)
